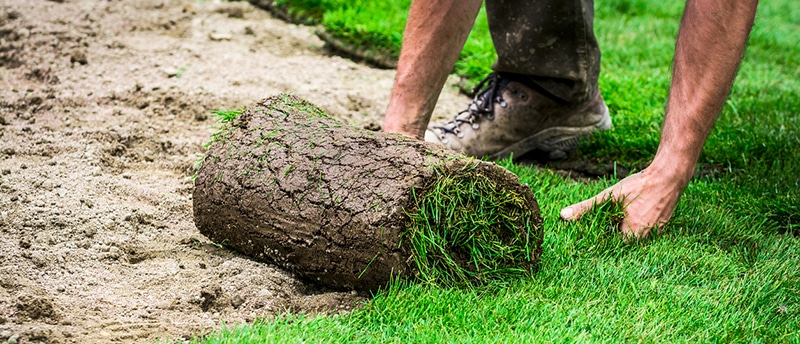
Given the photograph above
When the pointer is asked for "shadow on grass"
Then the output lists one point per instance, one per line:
(587, 169)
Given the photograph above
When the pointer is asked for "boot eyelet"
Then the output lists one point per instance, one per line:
(523, 96)
(503, 103)
(444, 141)
(475, 126)
(460, 134)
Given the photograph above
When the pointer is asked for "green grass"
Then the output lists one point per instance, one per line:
(725, 269)
(225, 119)
(468, 231)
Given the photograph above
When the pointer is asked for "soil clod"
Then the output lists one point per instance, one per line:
(78, 56)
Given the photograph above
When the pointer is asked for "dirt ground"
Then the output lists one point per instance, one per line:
(104, 109)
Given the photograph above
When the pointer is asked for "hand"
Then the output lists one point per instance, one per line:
(648, 199)
(697, 92)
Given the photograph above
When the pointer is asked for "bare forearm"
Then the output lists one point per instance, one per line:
(435, 34)
(710, 43)
(709, 48)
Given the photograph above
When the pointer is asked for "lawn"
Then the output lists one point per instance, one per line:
(725, 269)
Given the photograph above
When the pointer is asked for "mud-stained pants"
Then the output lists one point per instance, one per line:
(551, 43)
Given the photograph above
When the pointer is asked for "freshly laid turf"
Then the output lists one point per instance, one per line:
(720, 272)
(725, 269)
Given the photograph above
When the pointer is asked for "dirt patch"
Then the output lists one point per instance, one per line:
(104, 110)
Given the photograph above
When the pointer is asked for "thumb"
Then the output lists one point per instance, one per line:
(575, 211)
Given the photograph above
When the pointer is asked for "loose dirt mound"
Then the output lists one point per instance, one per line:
(104, 109)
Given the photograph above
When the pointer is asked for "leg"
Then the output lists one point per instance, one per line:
(543, 94)
(435, 34)
(550, 43)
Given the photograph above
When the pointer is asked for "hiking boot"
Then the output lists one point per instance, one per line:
(507, 117)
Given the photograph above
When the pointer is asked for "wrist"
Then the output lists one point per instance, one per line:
(677, 168)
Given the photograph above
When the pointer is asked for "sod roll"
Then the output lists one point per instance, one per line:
(354, 209)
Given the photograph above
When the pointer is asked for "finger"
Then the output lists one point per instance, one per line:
(627, 231)
(577, 210)
(635, 231)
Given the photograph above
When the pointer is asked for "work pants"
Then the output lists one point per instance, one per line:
(549, 43)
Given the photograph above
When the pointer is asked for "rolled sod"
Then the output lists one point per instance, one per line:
(355, 209)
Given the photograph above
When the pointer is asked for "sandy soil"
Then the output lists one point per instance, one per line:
(104, 109)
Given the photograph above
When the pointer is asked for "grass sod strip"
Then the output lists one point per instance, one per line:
(377, 43)
(466, 231)
(286, 184)
(470, 216)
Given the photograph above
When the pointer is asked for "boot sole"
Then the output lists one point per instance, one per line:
(556, 141)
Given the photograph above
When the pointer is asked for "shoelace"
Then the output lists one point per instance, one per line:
(481, 105)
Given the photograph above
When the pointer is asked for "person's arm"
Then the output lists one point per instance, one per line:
(435, 33)
(710, 44)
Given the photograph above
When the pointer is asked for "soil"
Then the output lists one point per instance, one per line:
(104, 111)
